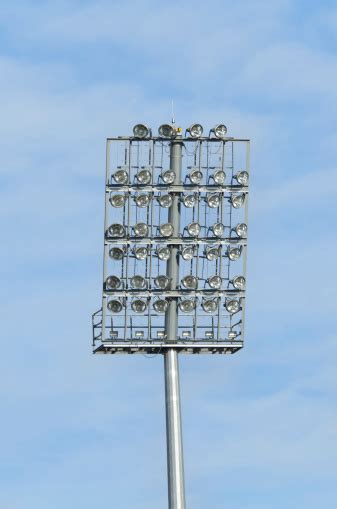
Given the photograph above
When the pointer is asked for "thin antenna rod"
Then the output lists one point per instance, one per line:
(172, 111)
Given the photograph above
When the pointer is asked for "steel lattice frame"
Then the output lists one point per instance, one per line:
(199, 331)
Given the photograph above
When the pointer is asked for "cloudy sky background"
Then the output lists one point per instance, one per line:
(260, 428)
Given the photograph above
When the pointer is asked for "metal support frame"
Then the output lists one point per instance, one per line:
(175, 461)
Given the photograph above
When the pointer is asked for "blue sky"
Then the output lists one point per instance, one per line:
(260, 426)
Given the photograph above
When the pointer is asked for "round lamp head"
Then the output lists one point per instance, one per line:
(194, 229)
(209, 305)
(187, 305)
(189, 200)
(212, 253)
(187, 252)
(141, 253)
(141, 131)
(144, 177)
(163, 253)
(138, 282)
(242, 177)
(166, 229)
(116, 230)
(118, 200)
(239, 282)
(218, 229)
(138, 306)
(214, 282)
(168, 176)
(195, 176)
(141, 230)
(161, 282)
(165, 200)
(220, 131)
(195, 130)
(241, 230)
(237, 200)
(232, 306)
(190, 282)
(116, 253)
(112, 282)
(213, 200)
(234, 253)
(219, 177)
(160, 305)
(121, 177)
(167, 131)
(115, 306)
(142, 200)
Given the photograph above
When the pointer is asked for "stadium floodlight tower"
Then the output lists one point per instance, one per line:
(175, 247)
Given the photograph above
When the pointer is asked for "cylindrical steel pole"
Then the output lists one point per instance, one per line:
(175, 462)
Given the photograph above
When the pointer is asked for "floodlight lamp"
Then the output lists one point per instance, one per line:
(190, 282)
(213, 200)
(186, 334)
(209, 334)
(232, 306)
(232, 334)
(237, 200)
(194, 229)
(195, 130)
(168, 176)
(161, 334)
(112, 282)
(117, 200)
(187, 252)
(218, 229)
(144, 176)
(140, 253)
(165, 200)
(219, 177)
(189, 200)
(160, 305)
(241, 230)
(115, 306)
(167, 131)
(161, 282)
(195, 176)
(239, 282)
(220, 131)
(209, 305)
(141, 131)
(141, 230)
(242, 177)
(139, 334)
(142, 200)
(187, 305)
(116, 230)
(212, 253)
(116, 253)
(166, 229)
(234, 253)
(138, 282)
(121, 177)
(163, 253)
(138, 306)
(214, 282)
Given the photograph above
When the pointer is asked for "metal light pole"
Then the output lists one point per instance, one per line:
(175, 461)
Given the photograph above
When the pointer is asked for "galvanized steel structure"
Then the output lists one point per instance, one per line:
(189, 195)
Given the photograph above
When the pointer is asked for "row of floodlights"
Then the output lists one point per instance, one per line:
(162, 282)
(164, 253)
(142, 131)
(143, 200)
(144, 176)
(185, 305)
(186, 334)
(117, 230)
